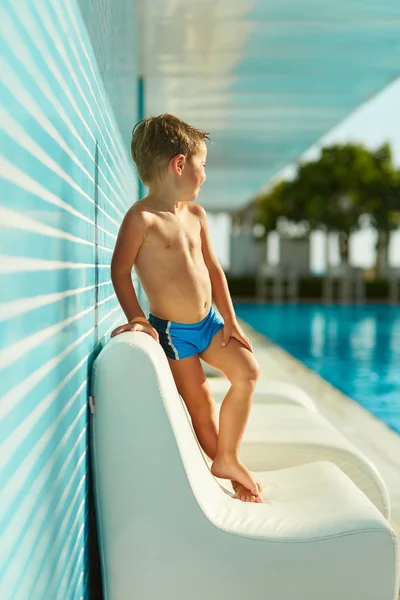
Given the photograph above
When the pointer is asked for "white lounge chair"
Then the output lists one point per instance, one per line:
(168, 530)
(281, 436)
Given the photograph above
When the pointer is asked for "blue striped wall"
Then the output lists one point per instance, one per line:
(67, 182)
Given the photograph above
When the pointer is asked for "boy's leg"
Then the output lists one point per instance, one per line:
(241, 368)
(192, 385)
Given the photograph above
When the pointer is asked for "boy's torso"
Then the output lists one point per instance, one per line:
(171, 267)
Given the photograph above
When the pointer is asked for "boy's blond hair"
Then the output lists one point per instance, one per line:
(156, 140)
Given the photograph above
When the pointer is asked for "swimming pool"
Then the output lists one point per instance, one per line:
(356, 348)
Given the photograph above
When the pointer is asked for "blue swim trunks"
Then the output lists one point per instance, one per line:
(181, 340)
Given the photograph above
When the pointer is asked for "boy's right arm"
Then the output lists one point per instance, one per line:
(131, 235)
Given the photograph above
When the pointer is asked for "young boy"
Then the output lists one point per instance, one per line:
(165, 237)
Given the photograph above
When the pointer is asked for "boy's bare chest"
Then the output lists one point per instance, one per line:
(175, 236)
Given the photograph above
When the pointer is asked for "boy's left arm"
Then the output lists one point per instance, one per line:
(220, 290)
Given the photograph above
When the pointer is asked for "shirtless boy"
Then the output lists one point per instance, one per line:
(165, 237)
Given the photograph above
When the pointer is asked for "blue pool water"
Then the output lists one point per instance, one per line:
(356, 348)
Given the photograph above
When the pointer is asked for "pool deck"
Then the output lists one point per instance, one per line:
(369, 434)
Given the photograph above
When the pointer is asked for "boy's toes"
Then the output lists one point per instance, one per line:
(248, 498)
(245, 495)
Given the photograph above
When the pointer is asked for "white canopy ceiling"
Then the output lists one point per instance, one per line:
(267, 78)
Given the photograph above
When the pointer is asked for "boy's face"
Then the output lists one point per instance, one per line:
(194, 173)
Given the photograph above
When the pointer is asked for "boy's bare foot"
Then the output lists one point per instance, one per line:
(243, 494)
(233, 469)
(259, 485)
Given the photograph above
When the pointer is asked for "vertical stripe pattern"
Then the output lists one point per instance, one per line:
(67, 181)
(174, 350)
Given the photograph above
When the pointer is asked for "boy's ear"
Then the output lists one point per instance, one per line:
(177, 163)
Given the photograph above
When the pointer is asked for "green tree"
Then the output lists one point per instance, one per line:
(380, 197)
(333, 191)
(278, 202)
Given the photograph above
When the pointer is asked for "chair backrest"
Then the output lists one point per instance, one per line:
(143, 443)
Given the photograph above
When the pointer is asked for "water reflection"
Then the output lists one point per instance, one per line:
(356, 348)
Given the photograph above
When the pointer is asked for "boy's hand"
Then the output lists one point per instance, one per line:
(145, 327)
(234, 330)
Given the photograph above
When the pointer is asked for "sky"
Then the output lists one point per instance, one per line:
(375, 122)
